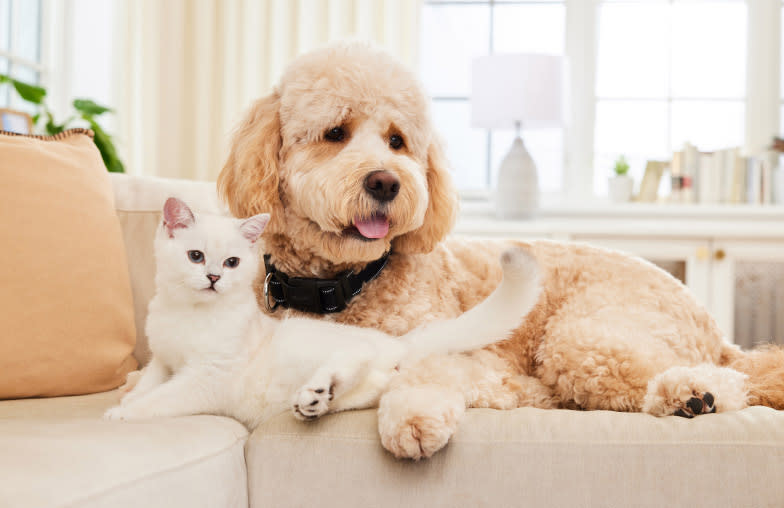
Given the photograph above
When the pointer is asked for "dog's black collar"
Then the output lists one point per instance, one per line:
(320, 296)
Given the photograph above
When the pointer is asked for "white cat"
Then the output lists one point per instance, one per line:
(215, 352)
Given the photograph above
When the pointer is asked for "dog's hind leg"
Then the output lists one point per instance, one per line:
(696, 390)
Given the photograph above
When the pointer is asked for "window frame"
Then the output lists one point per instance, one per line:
(13, 58)
(55, 23)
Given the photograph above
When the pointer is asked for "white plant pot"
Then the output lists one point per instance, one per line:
(517, 192)
(620, 188)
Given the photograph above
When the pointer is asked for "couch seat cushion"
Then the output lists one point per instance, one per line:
(526, 457)
(58, 452)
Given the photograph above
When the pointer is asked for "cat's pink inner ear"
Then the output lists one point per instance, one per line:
(252, 228)
(176, 214)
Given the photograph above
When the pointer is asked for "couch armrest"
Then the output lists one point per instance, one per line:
(138, 202)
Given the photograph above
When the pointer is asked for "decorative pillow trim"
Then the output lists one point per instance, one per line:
(61, 135)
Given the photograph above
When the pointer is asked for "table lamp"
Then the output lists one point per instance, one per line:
(516, 91)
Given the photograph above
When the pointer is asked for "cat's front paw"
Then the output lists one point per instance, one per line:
(123, 412)
(310, 402)
(116, 413)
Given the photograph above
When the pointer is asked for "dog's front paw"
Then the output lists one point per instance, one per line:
(415, 423)
(310, 402)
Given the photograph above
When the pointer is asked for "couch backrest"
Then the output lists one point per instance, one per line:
(138, 202)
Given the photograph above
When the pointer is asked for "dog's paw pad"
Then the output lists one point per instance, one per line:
(312, 402)
(697, 405)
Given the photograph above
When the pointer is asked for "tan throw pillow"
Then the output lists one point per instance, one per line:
(66, 312)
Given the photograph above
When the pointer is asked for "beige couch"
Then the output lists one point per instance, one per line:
(58, 452)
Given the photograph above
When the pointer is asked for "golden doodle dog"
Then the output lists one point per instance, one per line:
(344, 155)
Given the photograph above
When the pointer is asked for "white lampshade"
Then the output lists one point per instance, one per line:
(512, 88)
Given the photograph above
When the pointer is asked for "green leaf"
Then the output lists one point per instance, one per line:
(51, 127)
(30, 93)
(89, 107)
(105, 145)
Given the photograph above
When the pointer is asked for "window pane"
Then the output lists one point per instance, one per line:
(27, 36)
(5, 24)
(709, 125)
(466, 147)
(781, 119)
(633, 56)
(5, 90)
(529, 28)
(452, 35)
(636, 129)
(709, 49)
(546, 149)
(781, 66)
(26, 75)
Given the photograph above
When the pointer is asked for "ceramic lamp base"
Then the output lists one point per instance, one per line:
(517, 191)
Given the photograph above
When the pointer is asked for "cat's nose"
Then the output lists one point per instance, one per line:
(213, 278)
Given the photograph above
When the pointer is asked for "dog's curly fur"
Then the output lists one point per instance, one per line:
(609, 332)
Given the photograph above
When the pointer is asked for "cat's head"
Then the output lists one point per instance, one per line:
(201, 257)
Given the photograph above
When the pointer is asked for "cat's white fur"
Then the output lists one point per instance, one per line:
(215, 352)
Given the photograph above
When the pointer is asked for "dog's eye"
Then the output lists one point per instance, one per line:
(335, 134)
(395, 142)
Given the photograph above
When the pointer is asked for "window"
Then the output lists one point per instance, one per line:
(455, 32)
(20, 46)
(668, 72)
(647, 76)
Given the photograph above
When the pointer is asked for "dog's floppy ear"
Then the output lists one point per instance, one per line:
(441, 208)
(249, 180)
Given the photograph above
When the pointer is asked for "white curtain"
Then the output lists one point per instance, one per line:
(188, 68)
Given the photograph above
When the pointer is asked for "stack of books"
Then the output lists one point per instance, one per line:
(718, 177)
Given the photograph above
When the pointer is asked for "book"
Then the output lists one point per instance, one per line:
(649, 186)
(738, 179)
(706, 181)
(690, 189)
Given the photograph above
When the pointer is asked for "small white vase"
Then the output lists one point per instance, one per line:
(517, 191)
(620, 188)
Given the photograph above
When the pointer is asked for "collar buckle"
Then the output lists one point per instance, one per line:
(320, 296)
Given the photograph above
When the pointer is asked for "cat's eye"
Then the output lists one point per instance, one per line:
(231, 262)
(196, 256)
(335, 134)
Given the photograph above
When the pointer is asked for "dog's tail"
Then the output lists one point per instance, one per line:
(491, 320)
(765, 367)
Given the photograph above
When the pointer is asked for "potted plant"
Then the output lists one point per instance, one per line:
(620, 184)
(86, 113)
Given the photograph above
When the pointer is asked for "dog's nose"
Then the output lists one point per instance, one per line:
(382, 185)
(213, 278)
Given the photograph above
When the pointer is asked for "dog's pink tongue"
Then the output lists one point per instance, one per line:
(374, 227)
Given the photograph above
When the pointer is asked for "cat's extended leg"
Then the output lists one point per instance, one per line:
(154, 374)
(190, 391)
(425, 403)
(338, 376)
